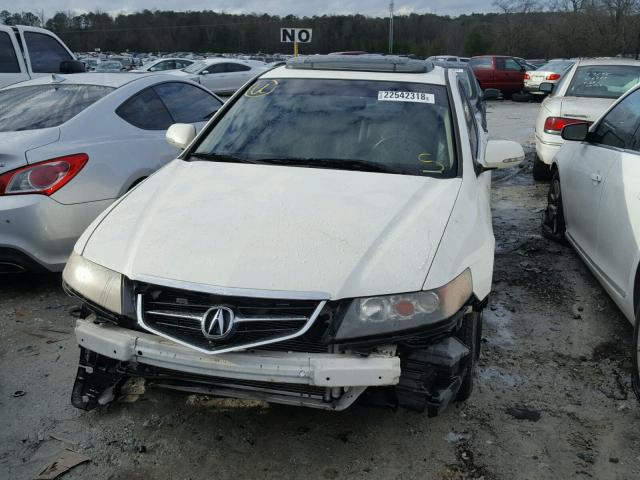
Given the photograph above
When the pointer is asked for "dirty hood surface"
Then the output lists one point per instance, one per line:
(343, 233)
(14, 145)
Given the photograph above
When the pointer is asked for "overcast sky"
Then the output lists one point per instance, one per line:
(274, 7)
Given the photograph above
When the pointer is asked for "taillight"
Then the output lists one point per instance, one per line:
(527, 77)
(556, 124)
(44, 178)
(553, 76)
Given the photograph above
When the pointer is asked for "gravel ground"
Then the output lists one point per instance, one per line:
(552, 398)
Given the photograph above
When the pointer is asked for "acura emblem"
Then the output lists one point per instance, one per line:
(217, 322)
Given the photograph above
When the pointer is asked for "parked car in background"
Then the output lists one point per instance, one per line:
(70, 145)
(108, 66)
(585, 91)
(476, 96)
(222, 75)
(125, 61)
(500, 72)
(90, 64)
(30, 52)
(550, 72)
(448, 58)
(593, 203)
(214, 267)
(164, 64)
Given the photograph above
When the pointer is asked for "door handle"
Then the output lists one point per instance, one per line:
(596, 178)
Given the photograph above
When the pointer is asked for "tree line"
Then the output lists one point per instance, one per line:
(526, 28)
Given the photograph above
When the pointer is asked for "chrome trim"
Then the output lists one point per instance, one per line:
(230, 291)
(237, 319)
(235, 348)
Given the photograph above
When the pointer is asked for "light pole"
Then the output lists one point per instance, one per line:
(390, 28)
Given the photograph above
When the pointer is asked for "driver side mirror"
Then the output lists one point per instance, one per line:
(72, 66)
(502, 154)
(204, 72)
(576, 132)
(491, 94)
(180, 135)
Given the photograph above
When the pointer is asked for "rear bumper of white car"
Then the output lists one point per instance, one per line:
(38, 232)
(547, 146)
(345, 376)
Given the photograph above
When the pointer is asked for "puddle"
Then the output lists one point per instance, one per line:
(497, 326)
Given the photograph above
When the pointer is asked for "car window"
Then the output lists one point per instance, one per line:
(166, 65)
(45, 53)
(555, 66)
(237, 67)
(8, 59)
(44, 106)
(470, 120)
(187, 103)
(182, 63)
(482, 62)
(195, 67)
(145, 110)
(617, 128)
(218, 68)
(603, 81)
(508, 64)
(397, 127)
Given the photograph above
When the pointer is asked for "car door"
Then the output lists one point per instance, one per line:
(188, 103)
(44, 52)
(216, 79)
(511, 73)
(583, 175)
(619, 212)
(239, 74)
(12, 67)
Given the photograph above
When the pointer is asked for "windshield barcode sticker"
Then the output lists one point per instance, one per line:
(386, 96)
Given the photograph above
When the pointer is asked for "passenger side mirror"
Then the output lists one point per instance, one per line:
(72, 66)
(546, 87)
(180, 135)
(490, 94)
(502, 154)
(576, 132)
(204, 72)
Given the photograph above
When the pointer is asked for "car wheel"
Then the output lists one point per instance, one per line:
(553, 225)
(541, 170)
(635, 375)
(521, 97)
(469, 332)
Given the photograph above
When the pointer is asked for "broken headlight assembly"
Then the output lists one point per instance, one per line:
(369, 316)
(94, 282)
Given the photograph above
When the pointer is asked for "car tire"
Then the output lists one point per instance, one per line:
(541, 170)
(553, 224)
(469, 335)
(521, 97)
(635, 373)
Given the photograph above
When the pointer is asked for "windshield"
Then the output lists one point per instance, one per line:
(388, 127)
(44, 106)
(195, 67)
(555, 66)
(603, 81)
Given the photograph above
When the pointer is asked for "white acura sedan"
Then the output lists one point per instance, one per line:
(582, 95)
(594, 203)
(328, 232)
(222, 75)
(71, 144)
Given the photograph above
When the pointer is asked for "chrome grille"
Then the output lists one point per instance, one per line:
(258, 323)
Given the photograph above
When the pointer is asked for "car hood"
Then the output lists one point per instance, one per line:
(15, 145)
(342, 233)
(588, 109)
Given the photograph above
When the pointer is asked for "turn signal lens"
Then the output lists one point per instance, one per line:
(555, 125)
(44, 178)
(553, 76)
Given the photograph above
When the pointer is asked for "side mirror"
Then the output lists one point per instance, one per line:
(491, 94)
(72, 66)
(180, 135)
(576, 132)
(502, 154)
(204, 72)
(546, 87)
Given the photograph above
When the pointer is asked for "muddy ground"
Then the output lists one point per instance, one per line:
(552, 398)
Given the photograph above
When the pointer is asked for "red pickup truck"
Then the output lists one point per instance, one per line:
(497, 71)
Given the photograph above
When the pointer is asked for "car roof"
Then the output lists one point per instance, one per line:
(435, 75)
(607, 61)
(113, 80)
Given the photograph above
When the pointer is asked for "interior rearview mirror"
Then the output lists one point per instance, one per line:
(546, 87)
(502, 154)
(180, 135)
(576, 132)
(490, 94)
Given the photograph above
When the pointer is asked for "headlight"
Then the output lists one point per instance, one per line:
(392, 313)
(94, 282)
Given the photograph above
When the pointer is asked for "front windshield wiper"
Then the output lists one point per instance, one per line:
(359, 165)
(215, 157)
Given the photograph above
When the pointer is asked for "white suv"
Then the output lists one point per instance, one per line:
(328, 231)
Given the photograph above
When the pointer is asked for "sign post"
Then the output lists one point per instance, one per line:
(295, 36)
